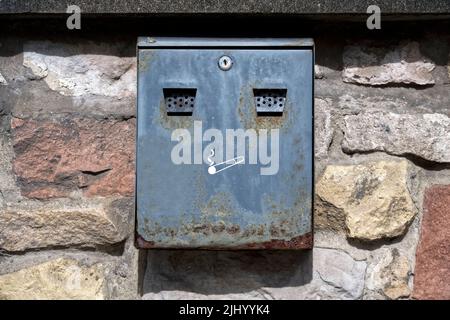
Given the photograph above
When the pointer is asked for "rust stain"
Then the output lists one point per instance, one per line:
(285, 219)
(219, 205)
(250, 120)
(280, 228)
(300, 242)
(174, 121)
(218, 228)
(142, 243)
(254, 230)
(204, 228)
(284, 225)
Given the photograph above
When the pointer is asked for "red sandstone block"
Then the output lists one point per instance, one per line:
(56, 157)
(432, 272)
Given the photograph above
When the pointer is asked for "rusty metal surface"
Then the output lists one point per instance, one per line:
(301, 242)
(182, 206)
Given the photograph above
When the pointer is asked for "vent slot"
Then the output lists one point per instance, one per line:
(269, 101)
(179, 101)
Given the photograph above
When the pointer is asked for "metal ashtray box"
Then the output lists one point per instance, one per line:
(225, 143)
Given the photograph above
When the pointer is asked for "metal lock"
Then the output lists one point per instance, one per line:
(225, 63)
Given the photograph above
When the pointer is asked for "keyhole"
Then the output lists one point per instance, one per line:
(225, 63)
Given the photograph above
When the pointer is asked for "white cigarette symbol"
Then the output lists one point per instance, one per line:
(226, 165)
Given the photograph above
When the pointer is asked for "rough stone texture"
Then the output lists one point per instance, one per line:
(318, 8)
(390, 99)
(433, 254)
(119, 266)
(423, 135)
(87, 77)
(390, 275)
(57, 279)
(7, 179)
(397, 275)
(448, 66)
(354, 105)
(54, 158)
(80, 74)
(42, 227)
(124, 275)
(2, 80)
(322, 72)
(327, 239)
(389, 263)
(46, 102)
(69, 96)
(373, 198)
(324, 274)
(322, 127)
(340, 270)
(403, 64)
(35, 62)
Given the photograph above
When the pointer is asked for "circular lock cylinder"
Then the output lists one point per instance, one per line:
(225, 63)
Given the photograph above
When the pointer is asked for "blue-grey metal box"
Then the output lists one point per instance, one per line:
(225, 143)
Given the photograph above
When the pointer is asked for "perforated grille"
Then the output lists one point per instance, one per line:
(270, 100)
(179, 100)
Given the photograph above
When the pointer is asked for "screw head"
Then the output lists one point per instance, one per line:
(225, 63)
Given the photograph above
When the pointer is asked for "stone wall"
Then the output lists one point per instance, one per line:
(382, 130)
(67, 170)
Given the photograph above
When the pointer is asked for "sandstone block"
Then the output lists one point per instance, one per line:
(323, 129)
(23, 229)
(58, 279)
(55, 158)
(403, 64)
(371, 201)
(74, 71)
(432, 270)
(423, 135)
